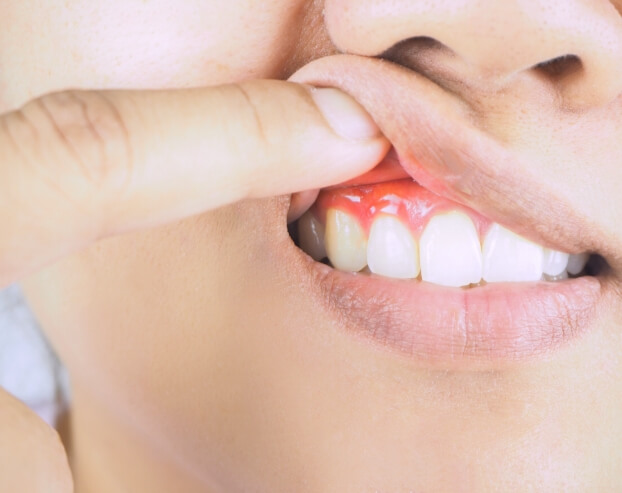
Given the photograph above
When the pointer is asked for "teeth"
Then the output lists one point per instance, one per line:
(391, 249)
(346, 245)
(576, 263)
(555, 262)
(450, 251)
(511, 258)
(311, 236)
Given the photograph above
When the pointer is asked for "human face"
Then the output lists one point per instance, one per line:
(206, 347)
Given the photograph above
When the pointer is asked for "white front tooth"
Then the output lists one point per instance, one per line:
(346, 245)
(554, 262)
(451, 253)
(509, 257)
(311, 236)
(576, 263)
(391, 249)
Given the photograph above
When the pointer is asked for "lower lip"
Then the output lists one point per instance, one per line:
(461, 328)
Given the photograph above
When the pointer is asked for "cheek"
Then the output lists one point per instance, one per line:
(149, 300)
(147, 44)
(199, 337)
(153, 325)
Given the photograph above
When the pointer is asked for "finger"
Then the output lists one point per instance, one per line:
(300, 203)
(32, 457)
(76, 166)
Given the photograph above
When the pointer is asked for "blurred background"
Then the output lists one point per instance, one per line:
(29, 369)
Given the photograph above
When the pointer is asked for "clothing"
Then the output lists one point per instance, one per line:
(29, 369)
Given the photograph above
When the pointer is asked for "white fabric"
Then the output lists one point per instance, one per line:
(28, 368)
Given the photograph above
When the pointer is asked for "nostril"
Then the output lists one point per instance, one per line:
(412, 46)
(416, 53)
(560, 67)
(430, 58)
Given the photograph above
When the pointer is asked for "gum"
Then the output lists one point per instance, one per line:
(413, 204)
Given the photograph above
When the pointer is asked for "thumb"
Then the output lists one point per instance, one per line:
(76, 166)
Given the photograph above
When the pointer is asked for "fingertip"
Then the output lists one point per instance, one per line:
(344, 114)
(300, 203)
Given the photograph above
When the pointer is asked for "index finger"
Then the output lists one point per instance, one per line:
(77, 166)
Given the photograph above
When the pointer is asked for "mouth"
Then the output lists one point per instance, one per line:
(450, 251)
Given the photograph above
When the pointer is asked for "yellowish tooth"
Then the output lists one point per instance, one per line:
(311, 236)
(345, 241)
(576, 263)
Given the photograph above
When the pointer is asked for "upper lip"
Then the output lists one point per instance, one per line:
(439, 145)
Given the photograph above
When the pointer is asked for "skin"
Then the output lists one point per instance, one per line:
(199, 363)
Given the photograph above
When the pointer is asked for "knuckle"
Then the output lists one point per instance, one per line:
(92, 135)
(275, 115)
(268, 112)
(73, 149)
(255, 120)
(76, 142)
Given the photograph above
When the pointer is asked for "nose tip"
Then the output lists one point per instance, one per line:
(573, 46)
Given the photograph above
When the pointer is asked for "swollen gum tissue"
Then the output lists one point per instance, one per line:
(406, 199)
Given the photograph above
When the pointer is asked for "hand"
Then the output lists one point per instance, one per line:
(32, 457)
(78, 166)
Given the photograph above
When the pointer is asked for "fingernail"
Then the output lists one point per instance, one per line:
(346, 117)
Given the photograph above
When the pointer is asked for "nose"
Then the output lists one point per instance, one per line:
(573, 45)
